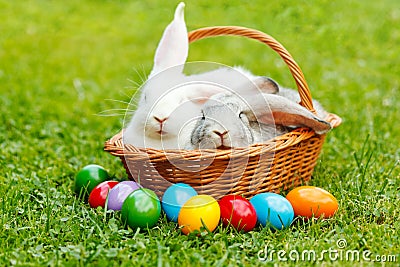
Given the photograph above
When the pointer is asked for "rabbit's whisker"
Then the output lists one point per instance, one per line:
(114, 112)
(121, 101)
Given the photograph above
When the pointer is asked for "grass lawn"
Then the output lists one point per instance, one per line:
(61, 62)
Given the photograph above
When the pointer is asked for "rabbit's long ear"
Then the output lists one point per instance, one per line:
(174, 45)
(279, 110)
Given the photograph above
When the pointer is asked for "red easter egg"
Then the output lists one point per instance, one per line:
(98, 196)
(238, 212)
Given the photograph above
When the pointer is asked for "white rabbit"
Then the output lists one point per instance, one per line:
(238, 120)
(164, 93)
(169, 99)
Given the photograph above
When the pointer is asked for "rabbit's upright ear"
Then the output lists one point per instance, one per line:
(174, 45)
(279, 110)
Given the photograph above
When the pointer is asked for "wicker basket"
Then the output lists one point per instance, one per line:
(281, 163)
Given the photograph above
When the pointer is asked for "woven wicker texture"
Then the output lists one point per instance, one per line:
(281, 163)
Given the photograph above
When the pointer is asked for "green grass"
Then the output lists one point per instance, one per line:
(61, 60)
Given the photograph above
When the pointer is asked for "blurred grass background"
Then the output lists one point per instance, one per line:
(61, 60)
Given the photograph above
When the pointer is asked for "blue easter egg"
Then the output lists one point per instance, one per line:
(174, 197)
(273, 209)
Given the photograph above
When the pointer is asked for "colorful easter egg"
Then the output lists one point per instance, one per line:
(141, 209)
(273, 210)
(237, 212)
(119, 193)
(174, 197)
(198, 212)
(98, 196)
(312, 201)
(88, 178)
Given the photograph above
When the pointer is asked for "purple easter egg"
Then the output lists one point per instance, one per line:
(119, 193)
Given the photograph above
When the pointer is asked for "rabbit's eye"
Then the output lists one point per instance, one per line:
(243, 117)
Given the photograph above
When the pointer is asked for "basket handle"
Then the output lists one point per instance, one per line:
(304, 91)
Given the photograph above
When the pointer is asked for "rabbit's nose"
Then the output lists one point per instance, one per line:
(220, 134)
(160, 120)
